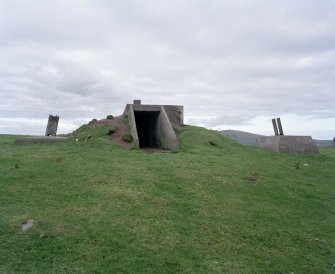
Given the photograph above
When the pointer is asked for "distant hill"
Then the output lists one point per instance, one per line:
(247, 138)
(242, 137)
(323, 143)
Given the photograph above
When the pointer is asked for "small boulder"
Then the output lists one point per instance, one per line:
(27, 225)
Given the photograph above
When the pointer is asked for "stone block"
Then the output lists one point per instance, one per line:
(52, 126)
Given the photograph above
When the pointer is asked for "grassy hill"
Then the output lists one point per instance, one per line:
(323, 143)
(247, 138)
(216, 206)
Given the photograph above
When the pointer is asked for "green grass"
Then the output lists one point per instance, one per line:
(208, 209)
(95, 131)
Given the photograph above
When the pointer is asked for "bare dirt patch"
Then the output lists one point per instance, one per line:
(122, 128)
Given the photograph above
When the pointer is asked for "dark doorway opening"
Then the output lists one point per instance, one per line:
(148, 129)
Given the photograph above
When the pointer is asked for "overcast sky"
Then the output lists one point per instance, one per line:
(232, 64)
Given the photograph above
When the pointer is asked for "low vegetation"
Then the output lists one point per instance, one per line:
(128, 138)
(93, 121)
(214, 207)
(125, 119)
(112, 129)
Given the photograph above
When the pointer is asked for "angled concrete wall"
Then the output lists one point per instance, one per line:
(168, 137)
(132, 123)
(288, 144)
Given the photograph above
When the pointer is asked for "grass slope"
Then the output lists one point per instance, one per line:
(211, 208)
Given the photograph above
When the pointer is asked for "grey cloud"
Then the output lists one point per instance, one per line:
(226, 61)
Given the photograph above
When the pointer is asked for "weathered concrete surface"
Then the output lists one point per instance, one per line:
(52, 126)
(168, 137)
(175, 114)
(41, 140)
(146, 107)
(288, 144)
(132, 124)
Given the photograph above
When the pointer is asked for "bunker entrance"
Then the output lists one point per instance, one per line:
(148, 128)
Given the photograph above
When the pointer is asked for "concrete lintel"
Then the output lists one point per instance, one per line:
(146, 107)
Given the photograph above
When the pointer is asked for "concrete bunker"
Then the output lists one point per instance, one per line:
(152, 125)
